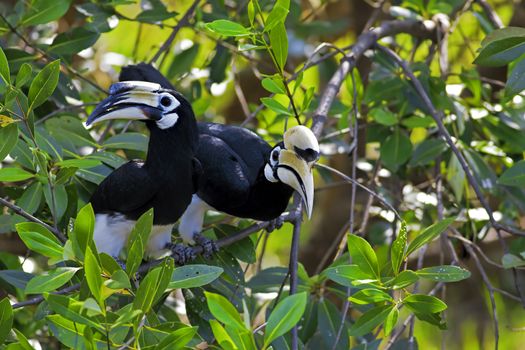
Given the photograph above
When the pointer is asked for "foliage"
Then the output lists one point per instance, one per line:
(58, 57)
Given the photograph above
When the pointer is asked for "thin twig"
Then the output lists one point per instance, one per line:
(183, 22)
(294, 261)
(17, 210)
(39, 299)
(491, 14)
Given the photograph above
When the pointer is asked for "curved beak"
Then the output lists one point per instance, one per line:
(297, 173)
(132, 100)
(296, 162)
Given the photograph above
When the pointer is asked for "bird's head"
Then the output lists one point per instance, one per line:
(291, 162)
(139, 100)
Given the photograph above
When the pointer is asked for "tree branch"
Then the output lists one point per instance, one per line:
(17, 210)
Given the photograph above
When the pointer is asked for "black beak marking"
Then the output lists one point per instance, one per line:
(297, 176)
(309, 155)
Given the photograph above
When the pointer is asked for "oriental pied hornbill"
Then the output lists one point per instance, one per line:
(242, 175)
(164, 181)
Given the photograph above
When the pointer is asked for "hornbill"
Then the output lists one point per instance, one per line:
(165, 181)
(242, 175)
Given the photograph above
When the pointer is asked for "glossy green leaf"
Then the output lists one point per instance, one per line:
(516, 81)
(32, 197)
(399, 247)
(429, 234)
(514, 176)
(153, 286)
(383, 116)
(6, 319)
(501, 47)
(423, 303)
(370, 320)
(251, 11)
(284, 316)
(223, 338)
(224, 311)
(24, 75)
(45, 11)
(73, 41)
(82, 234)
(403, 280)
(118, 280)
(14, 174)
(369, 296)
(227, 28)
(138, 241)
(427, 151)
(444, 273)
(279, 44)
(177, 339)
(391, 320)
(51, 281)
(348, 275)
(510, 260)
(192, 276)
(42, 244)
(396, 149)
(275, 106)
(277, 14)
(9, 137)
(71, 309)
(131, 141)
(93, 277)
(44, 84)
(363, 255)
(273, 85)
(80, 163)
(5, 73)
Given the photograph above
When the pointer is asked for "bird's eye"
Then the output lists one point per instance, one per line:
(165, 101)
(275, 155)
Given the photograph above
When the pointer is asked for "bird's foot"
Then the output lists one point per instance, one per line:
(208, 245)
(120, 263)
(181, 253)
(275, 224)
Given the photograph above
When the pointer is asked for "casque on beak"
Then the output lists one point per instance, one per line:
(134, 100)
(296, 161)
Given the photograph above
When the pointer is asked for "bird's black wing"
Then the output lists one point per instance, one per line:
(127, 190)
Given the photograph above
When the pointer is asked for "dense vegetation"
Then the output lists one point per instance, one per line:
(418, 103)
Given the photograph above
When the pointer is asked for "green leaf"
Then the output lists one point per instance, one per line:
(70, 309)
(177, 339)
(399, 247)
(138, 241)
(275, 106)
(427, 151)
(227, 28)
(93, 278)
(444, 273)
(514, 176)
(14, 174)
(369, 296)
(425, 304)
(4, 68)
(279, 45)
(6, 319)
(224, 311)
(273, 85)
(118, 280)
(501, 47)
(131, 140)
(82, 234)
(73, 41)
(391, 320)
(396, 149)
(251, 11)
(404, 279)
(348, 275)
(510, 260)
(383, 116)
(429, 234)
(24, 74)
(153, 286)
(50, 282)
(45, 11)
(32, 197)
(369, 320)
(81, 163)
(42, 244)
(44, 84)
(363, 255)
(192, 276)
(9, 136)
(516, 81)
(284, 316)
(222, 337)
(277, 15)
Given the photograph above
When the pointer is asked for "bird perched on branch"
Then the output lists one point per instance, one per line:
(242, 175)
(164, 181)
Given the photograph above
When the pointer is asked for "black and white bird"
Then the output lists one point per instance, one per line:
(242, 175)
(165, 181)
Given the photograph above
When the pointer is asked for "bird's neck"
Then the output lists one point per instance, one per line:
(168, 152)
